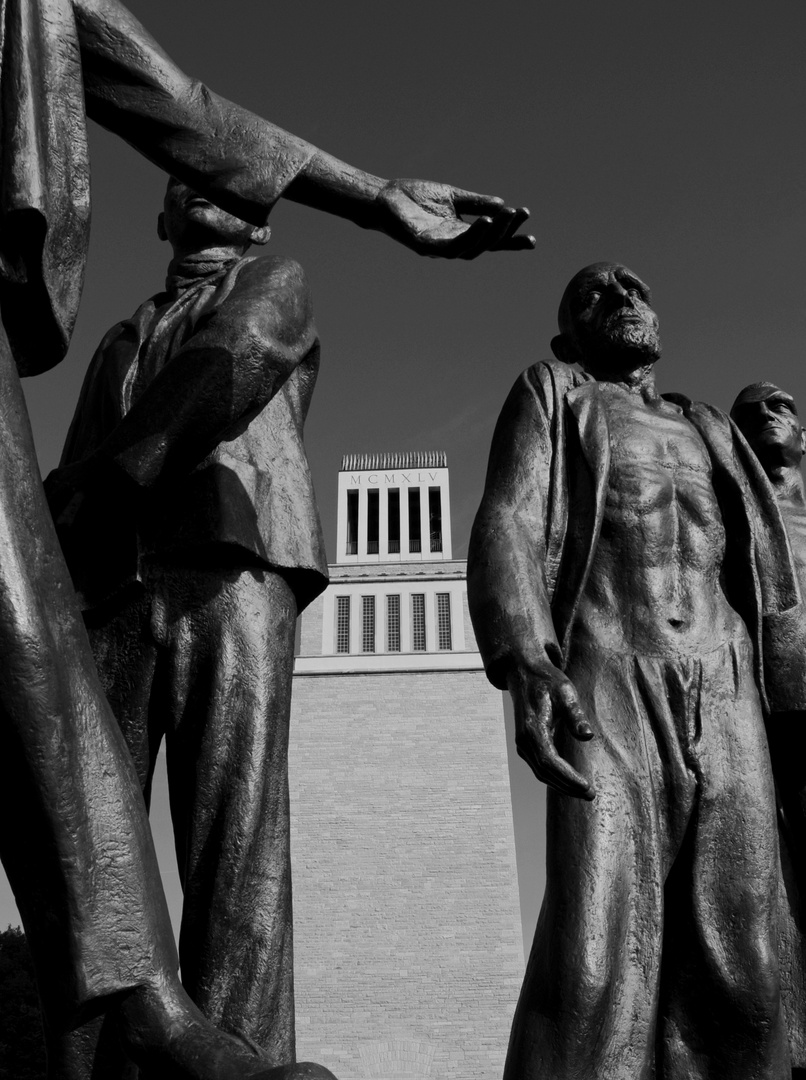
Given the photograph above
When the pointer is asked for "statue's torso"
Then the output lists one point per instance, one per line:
(654, 586)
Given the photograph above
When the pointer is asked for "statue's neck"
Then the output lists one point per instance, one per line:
(206, 265)
(209, 252)
(639, 381)
(787, 482)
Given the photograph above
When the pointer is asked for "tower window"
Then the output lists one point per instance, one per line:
(418, 622)
(352, 522)
(393, 624)
(435, 518)
(415, 527)
(393, 511)
(368, 624)
(373, 520)
(342, 624)
(444, 637)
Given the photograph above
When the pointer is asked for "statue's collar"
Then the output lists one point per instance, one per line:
(194, 270)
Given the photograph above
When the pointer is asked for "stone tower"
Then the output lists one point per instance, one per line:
(408, 948)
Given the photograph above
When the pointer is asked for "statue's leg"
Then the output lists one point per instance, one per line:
(721, 998)
(589, 998)
(76, 843)
(233, 636)
(125, 659)
(75, 840)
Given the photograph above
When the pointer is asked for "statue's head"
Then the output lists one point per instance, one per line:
(606, 321)
(189, 221)
(767, 417)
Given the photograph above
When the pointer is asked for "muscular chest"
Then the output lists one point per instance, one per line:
(657, 460)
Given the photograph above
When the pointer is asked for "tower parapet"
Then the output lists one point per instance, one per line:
(393, 507)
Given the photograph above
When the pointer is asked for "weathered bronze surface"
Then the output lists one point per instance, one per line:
(76, 843)
(625, 549)
(768, 418)
(193, 586)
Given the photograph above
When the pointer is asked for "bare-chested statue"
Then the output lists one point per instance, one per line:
(626, 547)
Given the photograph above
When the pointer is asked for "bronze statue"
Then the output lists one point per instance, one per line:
(76, 843)
(227, 548)
(625, 548)
(768, 418)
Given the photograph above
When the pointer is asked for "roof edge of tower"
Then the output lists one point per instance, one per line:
(406, 459)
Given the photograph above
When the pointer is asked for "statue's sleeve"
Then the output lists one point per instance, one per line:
(507, 579)
(238, 160)
(783, 613)
(759, 575)
(227, 371)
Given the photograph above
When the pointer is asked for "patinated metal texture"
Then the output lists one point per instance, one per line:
(192, 591)
(768, 418)
(76, 842)
(627, 551)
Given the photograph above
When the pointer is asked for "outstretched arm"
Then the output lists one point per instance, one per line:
(424, 216)
(244, 164)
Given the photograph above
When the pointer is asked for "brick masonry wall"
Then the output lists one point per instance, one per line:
(408, 951)
(310, 632)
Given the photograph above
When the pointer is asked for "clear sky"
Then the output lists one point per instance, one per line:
(665, 136)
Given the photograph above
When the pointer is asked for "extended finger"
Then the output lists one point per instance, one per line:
(557, 773)
(471, 242)
(542, 756)
(499, 228)
(554, 771)
(512, 242)
(470, 202)
(576, 719)
(514, 220)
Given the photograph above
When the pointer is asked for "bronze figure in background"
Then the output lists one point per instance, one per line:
(192, 576)
(625, 548)
(768, 418)
(76, 843)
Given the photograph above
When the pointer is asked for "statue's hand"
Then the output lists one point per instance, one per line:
(544, 700)
(426, 218)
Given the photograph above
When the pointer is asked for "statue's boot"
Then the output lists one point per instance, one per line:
(163, 1036)
(170, 1039)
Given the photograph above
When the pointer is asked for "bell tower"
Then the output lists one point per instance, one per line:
(407, 933)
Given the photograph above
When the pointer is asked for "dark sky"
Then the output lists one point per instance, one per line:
(665, 136)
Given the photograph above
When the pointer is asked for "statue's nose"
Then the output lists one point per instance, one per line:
(618, 293)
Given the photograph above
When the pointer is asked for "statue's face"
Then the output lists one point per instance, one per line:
(609, 319)
(768, 419)
(189, 214)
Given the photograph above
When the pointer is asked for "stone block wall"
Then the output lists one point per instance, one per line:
(408, 950)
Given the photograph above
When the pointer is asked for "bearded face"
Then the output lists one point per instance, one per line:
(607, 319)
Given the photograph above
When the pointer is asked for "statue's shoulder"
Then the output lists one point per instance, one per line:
(700, 411)
(268, 272)
(555, 377)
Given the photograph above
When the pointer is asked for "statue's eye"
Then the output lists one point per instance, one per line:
(634, 294)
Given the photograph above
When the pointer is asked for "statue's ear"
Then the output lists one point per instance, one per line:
(260, 236)
(563, 350)
(161, 233)
(803, 441)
